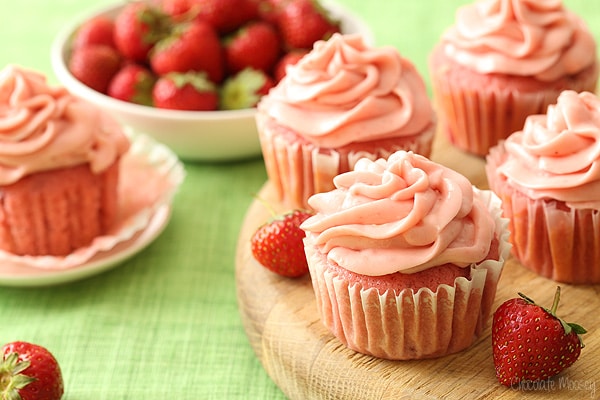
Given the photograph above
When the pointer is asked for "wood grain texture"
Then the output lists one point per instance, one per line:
(307, 362)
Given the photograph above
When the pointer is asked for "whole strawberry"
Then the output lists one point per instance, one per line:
(190, 91)
(95, 66)
(244, 89)
(191, 46)
(255, 45)
(530, 343)
(138, 26)
(98, 30)
(133, 83)
(278, 245)
(303, 22)
(29, 372)
(225, 15)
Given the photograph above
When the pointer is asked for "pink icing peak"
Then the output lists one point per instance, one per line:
(44, 127)
(557, 155)
(537, 38)
(344, 92)
(404, 214)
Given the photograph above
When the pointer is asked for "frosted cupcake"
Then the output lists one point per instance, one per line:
(341, 102)
(405, 256)
(503, 60)
(548, 177)
(59, 167)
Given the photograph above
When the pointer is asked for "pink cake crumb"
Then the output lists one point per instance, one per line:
(55, 212)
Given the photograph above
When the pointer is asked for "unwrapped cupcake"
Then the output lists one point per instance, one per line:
(59, 167)
(341, 102)
(503, 60)
(548, 177)
(404, 257)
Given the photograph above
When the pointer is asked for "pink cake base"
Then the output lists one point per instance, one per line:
(298, 169)
(476, 110)
(55, 212)
(401, 318)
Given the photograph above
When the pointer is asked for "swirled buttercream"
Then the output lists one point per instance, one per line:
(44, 127)
(557, 155)
(537, 38)
(403, 214)
(345, 92)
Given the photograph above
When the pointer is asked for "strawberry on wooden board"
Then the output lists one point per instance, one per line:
(29, 372)
(133, 83)
(190, 91)
(254, 45)
(244, 89)
(530, 343)
(95, 66)
(278, 246)
(191, 46)
(289, 58)
(138, 26)
(98, 30)
(303, 22)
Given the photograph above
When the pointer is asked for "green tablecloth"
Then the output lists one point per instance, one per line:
(165, 324)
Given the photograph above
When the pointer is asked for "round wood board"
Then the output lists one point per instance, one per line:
(307, 362)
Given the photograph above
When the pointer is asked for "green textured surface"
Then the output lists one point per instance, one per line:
(165, 324)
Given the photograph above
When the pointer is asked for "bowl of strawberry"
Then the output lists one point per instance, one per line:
(189, 73)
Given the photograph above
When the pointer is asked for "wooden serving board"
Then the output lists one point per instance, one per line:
(307, 362)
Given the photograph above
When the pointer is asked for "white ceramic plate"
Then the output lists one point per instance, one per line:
(16, 274)
(192, 135)
(143, 214)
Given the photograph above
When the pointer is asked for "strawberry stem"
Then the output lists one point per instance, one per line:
(555, 302)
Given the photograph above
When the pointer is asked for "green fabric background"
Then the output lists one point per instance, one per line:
(165, 324)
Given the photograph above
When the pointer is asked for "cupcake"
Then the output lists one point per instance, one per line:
(404, 257)
(548, 177)
(342, 101)
(504, 60)
(59, 167)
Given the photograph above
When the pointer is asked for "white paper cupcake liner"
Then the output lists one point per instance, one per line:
(298, 170)
(476, 118)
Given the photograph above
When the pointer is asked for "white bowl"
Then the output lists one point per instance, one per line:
(192, 135)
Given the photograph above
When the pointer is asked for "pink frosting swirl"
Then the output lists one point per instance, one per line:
(44, 127)
(405, 214)
(557, 155)
(344, 92)
(537, 38)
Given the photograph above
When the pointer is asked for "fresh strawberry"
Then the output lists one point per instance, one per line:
(303, 22)
(255, 45)
(531, 343)
(244, 89)
(270, 10)
(133, 83)
(98, 30)
(95, 66)
(290, 58)
(29, 372)
(278, 246)
(138, 26)
(225, 15)
(185, 91)
(175, 8)
(192, 46)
